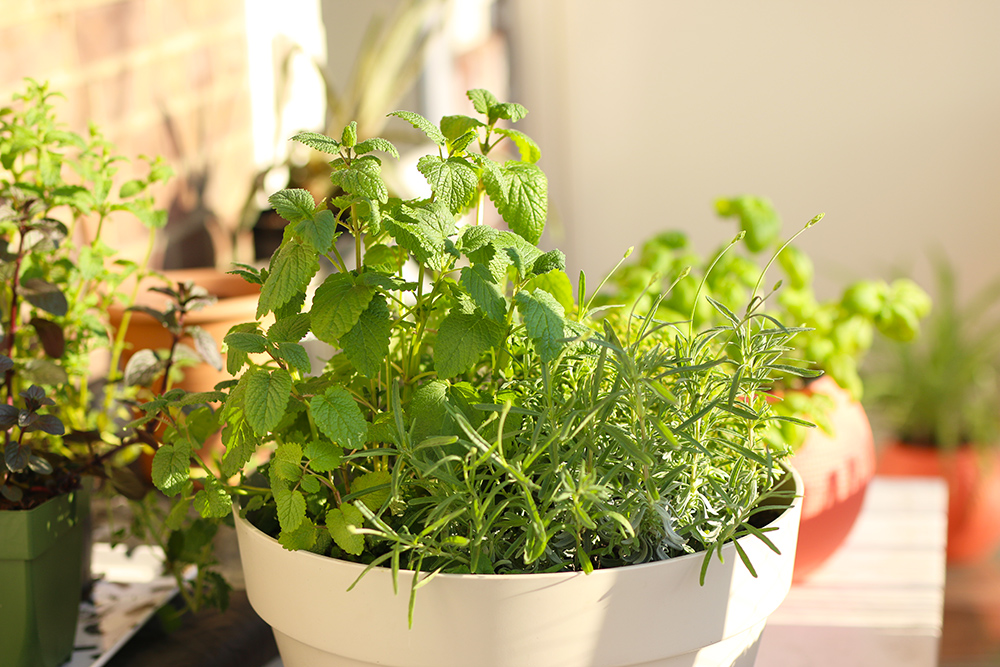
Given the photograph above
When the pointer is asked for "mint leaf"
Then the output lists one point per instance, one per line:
(553, 260)
(367, 343)
(349, 136)
(337, 521)
(373, 499)
(557, 284)
(423, 230)
(323, 455)
(320, 142)
(171, 467)
(320, 230)
(240, 442)
(363, 176)
(543, 319)
(475, 237)
(337, 305)
(508, 110)
(454, 127)
(462, 341)
(428, 414)
(253, 343)
(453, 181)
(290, 329)
(376, 144)
(286, 465)
(267, 394)
(422, 124)
(495, 181)
(293, 204)
(482, 99)
(290, 271)
(302, 538)
(212, 501)
(338, 416)
(295, 356)
(529, 150)
(526, 203)
(507, 247)
(236, 359)
(486, 294)
(291, 508)
(381, 257)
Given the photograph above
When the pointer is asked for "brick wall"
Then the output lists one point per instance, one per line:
(160, 77)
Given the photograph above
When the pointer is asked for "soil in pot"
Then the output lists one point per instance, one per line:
(973, 479)
(836, 469)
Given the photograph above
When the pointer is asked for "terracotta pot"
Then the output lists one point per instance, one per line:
(650, 614)
(237, 303)
(836, 469)
(973, 493)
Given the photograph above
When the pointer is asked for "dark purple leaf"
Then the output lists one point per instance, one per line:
(39, 465)
(25, 418)
(44, 295)
(50, 424)
(16, 456)
(128, 484)
(143, 368)
(8, 416)
(51, 335)
(5, 363)
(152, 312)
(11, 493)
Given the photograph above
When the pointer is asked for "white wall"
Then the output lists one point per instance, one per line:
(885, 115)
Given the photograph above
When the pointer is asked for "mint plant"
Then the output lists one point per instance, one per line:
(477, 416)
(59, 279)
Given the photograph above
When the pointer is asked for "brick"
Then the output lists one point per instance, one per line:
(110, 30)
(41, 49)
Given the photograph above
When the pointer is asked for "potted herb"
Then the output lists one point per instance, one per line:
(546, 480)
(59, 278)
(836, 460)
(938, 400)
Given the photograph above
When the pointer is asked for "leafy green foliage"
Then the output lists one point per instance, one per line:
(475, 416)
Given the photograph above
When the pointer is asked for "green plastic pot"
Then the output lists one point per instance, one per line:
(40, 555)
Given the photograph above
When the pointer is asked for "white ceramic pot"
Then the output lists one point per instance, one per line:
(641, 615)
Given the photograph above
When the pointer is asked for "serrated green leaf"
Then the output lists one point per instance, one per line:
(293, 204)
(526, 203)
(236, 359)
(482, 99)
(349, 136)
(363, 176)
(453, 181)
(303, 538)
(178, 513)
(557, 284)
(376, 144)
(323, 455)
(475, 237)
(544, 321)
(453, 127)
(291, 269)
(509, 111)
(240, 442)
(171, 467)
(337, 521)
(382, 258)
(310, 484)
(320, 230)
(253, 343)
(423, 230)
(374, 500)
(320, 142)
(212, 501)
(291, 508)
(486, 294)
(529, 150)
(506, 247)
(495, 180)
(286, 464)
(131, 188)
(338, 416)
(290, 329)
(295, 356)
(462, 341)
(367, 343)
(337, 306)
(422, 124)
(428, 414)
(267, 394)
